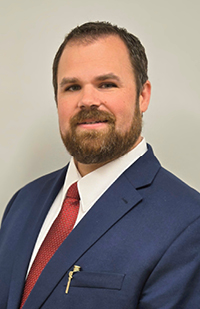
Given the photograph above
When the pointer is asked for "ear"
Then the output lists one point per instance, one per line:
(144, 97)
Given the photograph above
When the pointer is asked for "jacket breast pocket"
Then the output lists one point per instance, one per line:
(100, 280)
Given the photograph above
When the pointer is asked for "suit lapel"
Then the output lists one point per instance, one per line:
(112, 206)
(142, 173)
(40, 207)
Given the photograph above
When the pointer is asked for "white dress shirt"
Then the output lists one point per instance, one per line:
(90, 188)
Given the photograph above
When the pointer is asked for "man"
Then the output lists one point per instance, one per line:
(135, 241)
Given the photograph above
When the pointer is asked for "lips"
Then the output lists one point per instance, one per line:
(92, 121)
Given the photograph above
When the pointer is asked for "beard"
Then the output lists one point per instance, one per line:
(93, 146)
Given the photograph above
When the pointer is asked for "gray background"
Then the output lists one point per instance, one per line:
(31, 32)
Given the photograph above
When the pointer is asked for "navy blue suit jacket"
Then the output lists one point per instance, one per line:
(138, 246)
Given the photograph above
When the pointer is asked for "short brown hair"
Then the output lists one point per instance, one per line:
(91, 31)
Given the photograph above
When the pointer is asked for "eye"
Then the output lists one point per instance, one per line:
(73, 88)
(108, 85)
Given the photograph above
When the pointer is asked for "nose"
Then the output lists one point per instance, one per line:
(89, 97)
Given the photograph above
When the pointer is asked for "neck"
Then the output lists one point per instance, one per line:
(85, 169)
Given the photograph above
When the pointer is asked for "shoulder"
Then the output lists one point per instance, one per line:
(168, 183)
(162, 179)
(38, 187)
(45, 178)
(171, 201)
(162, 192)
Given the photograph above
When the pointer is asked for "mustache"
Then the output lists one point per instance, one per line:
(91, 113)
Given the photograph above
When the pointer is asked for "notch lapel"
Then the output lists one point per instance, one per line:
(32, 227)
(112, 206)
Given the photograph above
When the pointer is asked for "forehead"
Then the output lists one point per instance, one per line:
(105, 53)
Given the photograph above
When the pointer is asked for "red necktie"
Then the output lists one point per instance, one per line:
(59, 230)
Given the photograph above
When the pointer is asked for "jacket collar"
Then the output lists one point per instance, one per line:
(144, 170)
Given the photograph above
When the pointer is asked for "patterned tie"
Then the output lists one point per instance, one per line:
(59, 230)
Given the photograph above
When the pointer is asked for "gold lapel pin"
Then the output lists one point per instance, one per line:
(75, 269)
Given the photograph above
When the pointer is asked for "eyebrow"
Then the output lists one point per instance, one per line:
(71, 80)
(107, 76)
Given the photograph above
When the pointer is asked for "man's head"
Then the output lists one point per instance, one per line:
(99, 102)
(92, 31)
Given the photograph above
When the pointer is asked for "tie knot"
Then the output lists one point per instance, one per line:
(73, 192)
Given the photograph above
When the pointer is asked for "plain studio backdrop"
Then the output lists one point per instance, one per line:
(31, 32)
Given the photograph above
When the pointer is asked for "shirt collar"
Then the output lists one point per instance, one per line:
(94, 184)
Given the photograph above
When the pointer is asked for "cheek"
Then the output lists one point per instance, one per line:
(123, 107)
(124, 116)
(67, 108)
(63, 118)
